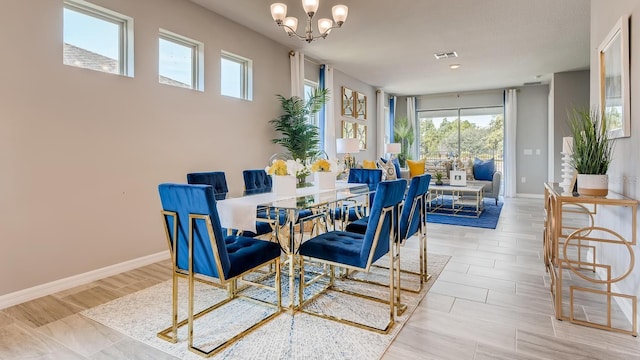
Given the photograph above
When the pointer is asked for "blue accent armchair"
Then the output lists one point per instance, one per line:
(355, 251)
(200, 251)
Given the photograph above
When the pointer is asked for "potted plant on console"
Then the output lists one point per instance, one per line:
(592, 150)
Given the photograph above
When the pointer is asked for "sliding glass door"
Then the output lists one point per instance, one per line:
(466, 133)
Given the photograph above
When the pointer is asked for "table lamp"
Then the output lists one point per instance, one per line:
(392, 149)
(347, 146)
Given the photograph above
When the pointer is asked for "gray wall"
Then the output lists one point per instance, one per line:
(569, 90)
(531, 139)
(82, 152)
(341, 79)
(624, 171)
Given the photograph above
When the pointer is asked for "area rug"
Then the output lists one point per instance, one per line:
(288, 336)
(488, 218)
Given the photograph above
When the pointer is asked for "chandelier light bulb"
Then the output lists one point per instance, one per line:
(278, 12)
(340, 13)
(291, 25)
(324, 26)
(310, 6)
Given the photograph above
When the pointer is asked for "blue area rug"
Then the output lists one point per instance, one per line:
(488, 219)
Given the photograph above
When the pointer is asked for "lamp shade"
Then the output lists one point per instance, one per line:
(392, 148)
(345, 146)
(278, 11)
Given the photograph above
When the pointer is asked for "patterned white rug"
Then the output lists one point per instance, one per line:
(288, 336)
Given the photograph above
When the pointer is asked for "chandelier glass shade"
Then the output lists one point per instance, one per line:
(290, 24)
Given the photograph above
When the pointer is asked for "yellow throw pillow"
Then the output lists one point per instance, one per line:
(368, 164)
(416, 167)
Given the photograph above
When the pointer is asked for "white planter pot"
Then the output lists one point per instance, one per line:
(284, 185)
(325, 180)
(593, 185)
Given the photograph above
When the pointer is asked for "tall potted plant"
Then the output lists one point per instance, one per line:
(403, 134)
(592, 150)
(300, 137)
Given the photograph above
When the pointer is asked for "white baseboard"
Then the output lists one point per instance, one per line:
(35, 292)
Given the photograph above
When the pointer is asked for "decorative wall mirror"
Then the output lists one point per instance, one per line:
(361, 106)
(348, 97)
(613, 56)
(348, 129)
(361, 131)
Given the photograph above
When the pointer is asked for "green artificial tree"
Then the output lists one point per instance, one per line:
(298, 135)
(403, 134)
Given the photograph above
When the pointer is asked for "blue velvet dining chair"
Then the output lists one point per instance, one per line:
(218, 181)
(256, 181)
(354, 210)
(200, 251)
(353, 251)
(412, 221)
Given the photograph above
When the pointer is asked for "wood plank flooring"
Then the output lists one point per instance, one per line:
(492, 301)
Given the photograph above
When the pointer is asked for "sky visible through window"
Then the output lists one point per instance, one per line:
(93, 34)
(103, 37)
(175, 61)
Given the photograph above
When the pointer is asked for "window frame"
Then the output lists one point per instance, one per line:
(125, 33)
(246, 81)
(197, 53)
(316, 117)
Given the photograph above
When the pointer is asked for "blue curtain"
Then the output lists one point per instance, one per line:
(392, 117)
(321, 114)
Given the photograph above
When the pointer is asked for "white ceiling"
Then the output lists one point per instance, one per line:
(390, 44)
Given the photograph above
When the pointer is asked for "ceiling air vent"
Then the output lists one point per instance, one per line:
(532, 83)
(446, 55)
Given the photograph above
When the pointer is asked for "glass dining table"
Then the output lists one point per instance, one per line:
(240, 212)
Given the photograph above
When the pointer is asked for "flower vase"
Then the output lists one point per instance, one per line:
(325, 180)
(284, 185)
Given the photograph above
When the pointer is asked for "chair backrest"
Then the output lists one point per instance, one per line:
(376, 239)
(414, 200)
(371, 177)
(185, 200)
(256, 181)
(216, 179)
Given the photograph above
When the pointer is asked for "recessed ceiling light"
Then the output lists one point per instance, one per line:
(454, 66)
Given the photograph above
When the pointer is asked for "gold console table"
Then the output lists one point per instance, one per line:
(571, 261)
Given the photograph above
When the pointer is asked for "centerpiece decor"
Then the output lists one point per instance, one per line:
(283, 178)
(592, 150)
(299, 135)
(324, 172)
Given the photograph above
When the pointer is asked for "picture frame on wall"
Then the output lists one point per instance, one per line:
(361, 106)
(348, 102)
(613, 58)
(348, 129)
(361, 134)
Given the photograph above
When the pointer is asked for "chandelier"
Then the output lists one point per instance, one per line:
(290, 24)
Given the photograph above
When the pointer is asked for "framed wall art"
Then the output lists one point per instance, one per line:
(361, 134)
(361, 106)
(348, 129)
(348, 102)
(613, 58)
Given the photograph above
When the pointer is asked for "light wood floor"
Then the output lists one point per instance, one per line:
(491, 302)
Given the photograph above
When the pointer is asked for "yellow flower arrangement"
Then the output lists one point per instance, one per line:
(278, 167)
(321, 165)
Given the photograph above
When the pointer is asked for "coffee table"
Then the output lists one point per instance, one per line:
(467, 201)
